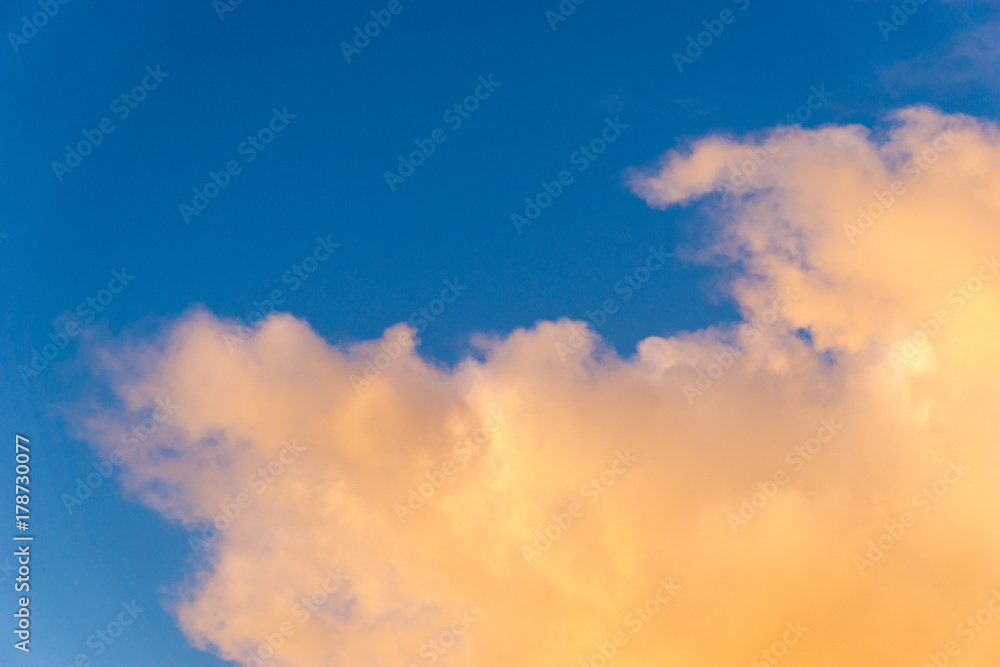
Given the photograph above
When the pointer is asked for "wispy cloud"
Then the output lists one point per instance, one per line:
(969, 58)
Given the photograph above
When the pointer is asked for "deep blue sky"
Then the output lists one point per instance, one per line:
(323, 176)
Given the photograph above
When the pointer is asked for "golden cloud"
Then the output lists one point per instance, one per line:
(815, 485)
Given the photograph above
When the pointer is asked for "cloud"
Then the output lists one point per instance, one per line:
(819, 467)
(969, 61)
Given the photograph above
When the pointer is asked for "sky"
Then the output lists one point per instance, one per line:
(507, 334)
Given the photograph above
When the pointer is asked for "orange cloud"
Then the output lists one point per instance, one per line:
(818, 501)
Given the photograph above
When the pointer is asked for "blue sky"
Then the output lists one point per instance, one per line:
(323, 176)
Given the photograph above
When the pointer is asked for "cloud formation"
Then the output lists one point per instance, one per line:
(815, 484)
(967, 62)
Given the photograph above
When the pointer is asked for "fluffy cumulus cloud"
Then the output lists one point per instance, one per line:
(815, 485)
